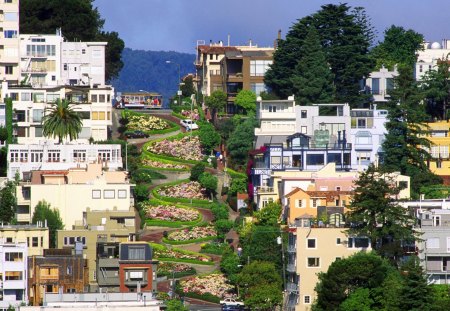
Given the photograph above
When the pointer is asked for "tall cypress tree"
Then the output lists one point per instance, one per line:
(312, 79)
(405, 144)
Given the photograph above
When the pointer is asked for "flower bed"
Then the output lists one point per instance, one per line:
(162, 253)
(188, 190)
(171, 212)
(167, 165)
(214, 284)
(176, 270)
(188, 115)
(193, 233)
(146, 123)
(187, 148)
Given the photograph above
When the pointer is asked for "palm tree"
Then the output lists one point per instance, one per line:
(61, 121)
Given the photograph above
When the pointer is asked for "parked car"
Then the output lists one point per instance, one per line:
(188, 124)
(231, 302)
(136, 134)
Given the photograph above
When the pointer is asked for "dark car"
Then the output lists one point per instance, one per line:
(136, 134)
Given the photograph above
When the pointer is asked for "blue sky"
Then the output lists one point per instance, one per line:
(176, 25)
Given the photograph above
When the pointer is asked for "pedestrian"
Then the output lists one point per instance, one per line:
(239, 251)
(220, 158)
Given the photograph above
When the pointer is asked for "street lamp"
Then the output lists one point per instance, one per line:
(179, 78)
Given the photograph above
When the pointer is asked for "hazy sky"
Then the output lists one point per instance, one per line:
(176, 25)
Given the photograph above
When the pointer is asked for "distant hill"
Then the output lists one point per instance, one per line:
(148, 70)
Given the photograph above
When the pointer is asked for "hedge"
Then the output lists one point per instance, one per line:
(173, 224)
(157, 159)
(171, 242)
(234, 174)
(178, 275)
(206, 297)
(185, 260)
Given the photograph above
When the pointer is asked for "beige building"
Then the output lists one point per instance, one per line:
(73, 191)
(99, 226)
(9, 42)
(34, 236)
(311, 251)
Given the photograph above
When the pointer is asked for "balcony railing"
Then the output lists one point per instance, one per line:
(291, 267)
(292, 287)
(264, 189)
(291, 249)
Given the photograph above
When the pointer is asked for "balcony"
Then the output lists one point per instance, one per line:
(291, 267)
(291, 249)
(292, 287)
(264, 190)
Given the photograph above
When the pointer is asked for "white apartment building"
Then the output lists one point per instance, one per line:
(380, 83)
(22, 159)
(2, 121)
(73, 191)
(13, 275)
(9, 41)
(428, 58)
(29, 104)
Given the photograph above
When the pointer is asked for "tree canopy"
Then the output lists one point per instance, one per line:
(208, 136)
(217, 100)
(241, 141)
(436, 86)
(79, 21)
(43, 212)
(345, 37)
(61, 120)
(247, 100)
(8, 202)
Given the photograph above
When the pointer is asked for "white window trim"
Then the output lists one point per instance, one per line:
(313, 267)
(304, 299)
(315, 243)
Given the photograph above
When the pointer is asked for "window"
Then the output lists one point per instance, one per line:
(37, 115)
(307, 300)
(136, 253)
(108, 194)
(9, 34)
(97, 54)
(304, 130)
(94, 98)
(9, 70)
(299, 203)
(338, 240)
(375, 86)
(313, 262)
(314, 202)
(8, 1)
(258, 88)
(9, 240)
(25, 96)
(101, 98)
(304, 114)
(94, 275)
(432, 243)
(38, 133)
(35, 241)
(69, 270)
(358, 242)
(83, 51)
(96, 194)
(53, 156)
(14, 256)
(363, 138)
(13, 275)
(122, 194)
(315, 159)
(259, 67)
(272, 108)
(311, 243)
(65, 67)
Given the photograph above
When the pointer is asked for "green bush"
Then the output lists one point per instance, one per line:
(177, 275)
(167, 241)
(214, 248)
(220, 211)
(145, 175)
(196, 171)
(184, 260)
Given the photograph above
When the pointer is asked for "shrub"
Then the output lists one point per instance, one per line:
(220, 211)
(196, 171)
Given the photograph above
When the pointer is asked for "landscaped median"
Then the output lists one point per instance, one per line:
(149, 124)
(191, 235)
(162, 253)
(162, 164)
(182, 191)
(172, 216)
(175, 270)
(211, 287)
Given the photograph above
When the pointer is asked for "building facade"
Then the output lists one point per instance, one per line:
(9, 42)
(35, 237)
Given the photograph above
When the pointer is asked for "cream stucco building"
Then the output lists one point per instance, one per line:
(34, 236)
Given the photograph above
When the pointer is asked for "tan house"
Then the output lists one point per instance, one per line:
(98, 226)
(34, 236)
(311, 251)
(73, 191)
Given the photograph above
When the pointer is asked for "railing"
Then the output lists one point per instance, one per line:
(292, 287)
(291, 249)
(264, 189)
(291, 267)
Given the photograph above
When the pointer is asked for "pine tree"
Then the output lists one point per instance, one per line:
(436, 85)
(375, 213)
(312, 79)
(405, 144)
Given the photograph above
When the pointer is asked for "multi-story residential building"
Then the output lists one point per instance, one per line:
(47, 156)
(312, 250)
(380, 83)
(30, 104)
(2, 122)
(13, 275)
(9, 42)
(56, 271)
(232, 68)
(36, 237)
(430, 55)
(127, 266)
(439, 151)
(74, 190)
(106, 226)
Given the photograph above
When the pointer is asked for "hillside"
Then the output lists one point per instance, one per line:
(148, 70)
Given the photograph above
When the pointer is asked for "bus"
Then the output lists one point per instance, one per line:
(139, 100)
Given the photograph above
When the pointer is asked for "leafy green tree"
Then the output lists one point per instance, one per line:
(196, 171)
(9, 119)
(246, 99)
(260, 285)
(359, 300)
(241, 141)
(208, 136)
(238, 185)
(3, 134)
(216, 101)
(405, 142)
(141, 193)
(436, 85)
(435, 191)
(416, 294)
(61, 120)
(175, 305)
(209, 182)
(223, 226)
(79, 21)
(441, 297)
(230, 265)
(43, 212)
(8, 202)
(269, 215)
(399, 47)
(345, 40)
(187, 87)
(312, 79)
(375, 213)
(220, 211)
(346, 276)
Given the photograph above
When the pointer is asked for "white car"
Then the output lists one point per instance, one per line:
(231, 302)
(189, 124)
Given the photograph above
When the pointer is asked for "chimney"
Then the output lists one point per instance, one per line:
(275, 42)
